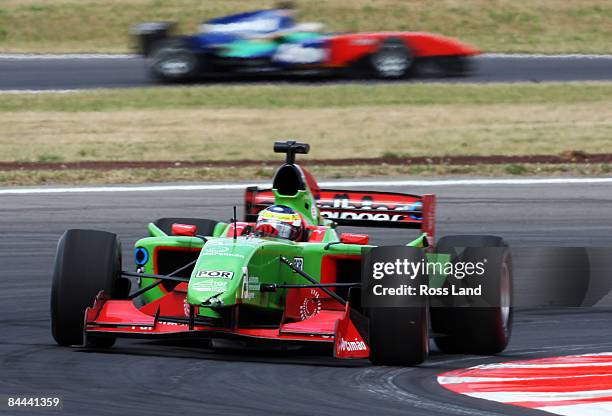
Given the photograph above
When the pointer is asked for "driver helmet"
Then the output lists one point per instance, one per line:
(280, 221)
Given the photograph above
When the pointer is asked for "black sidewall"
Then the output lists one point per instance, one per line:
(169, 48)
(394, 45)
(87, 262)
(475, 329)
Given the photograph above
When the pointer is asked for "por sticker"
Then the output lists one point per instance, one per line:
(219, 274)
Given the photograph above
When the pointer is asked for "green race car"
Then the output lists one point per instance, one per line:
(209, 279)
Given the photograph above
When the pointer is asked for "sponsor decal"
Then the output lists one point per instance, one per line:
(355, 345)
(417, 207)
(352, 209)
(313, 210)
(215, 250)
(222, 242)
(219, 253)
(209, 286)
(311, 306)
(250, 284)
(141, 328)
(185, 307)
(361, 216)
(218, 274)
(274, 215)
(298, 263)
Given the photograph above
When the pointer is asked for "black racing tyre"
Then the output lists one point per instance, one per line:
(86, 262)
(204, 226)
(172, 61)
(392, 60)
(398, 336)
(477, 329)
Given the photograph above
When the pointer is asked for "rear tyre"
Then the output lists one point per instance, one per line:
(173, 61)
(476, 329)
(86, 262)
(392, 60)
(398, 336)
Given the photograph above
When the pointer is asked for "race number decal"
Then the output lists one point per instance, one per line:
(298, 263)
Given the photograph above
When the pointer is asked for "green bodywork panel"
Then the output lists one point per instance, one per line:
(229, 270)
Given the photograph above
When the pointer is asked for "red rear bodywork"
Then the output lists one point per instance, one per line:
(348, 48)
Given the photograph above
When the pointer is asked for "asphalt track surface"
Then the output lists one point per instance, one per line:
(85, 72)
(150, 378)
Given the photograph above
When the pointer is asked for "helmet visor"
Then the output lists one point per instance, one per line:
(282, 230)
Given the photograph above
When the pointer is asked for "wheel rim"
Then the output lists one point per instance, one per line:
(175, 65)
(505, 298)
(391, 63)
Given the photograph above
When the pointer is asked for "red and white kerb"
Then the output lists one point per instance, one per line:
(574, 385)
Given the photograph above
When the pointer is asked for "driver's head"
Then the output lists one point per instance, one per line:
(285, 5)
(280, 221)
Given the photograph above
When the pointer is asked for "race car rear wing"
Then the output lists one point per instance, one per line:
(147, 35)
(359, 208)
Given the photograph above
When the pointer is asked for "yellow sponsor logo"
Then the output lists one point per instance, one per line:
(279, 216)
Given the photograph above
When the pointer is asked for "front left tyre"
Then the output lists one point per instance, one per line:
(172, 61)
(86, 262)
(392, 60)
(399, 334)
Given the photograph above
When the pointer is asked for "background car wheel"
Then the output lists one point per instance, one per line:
(398, 336)
(173, 61)
(87, 262)
(476, 329)
(392, 60)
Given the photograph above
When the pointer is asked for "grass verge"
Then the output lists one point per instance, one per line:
(545, 26)
(127, 176)
(339, 121)
(284, 95)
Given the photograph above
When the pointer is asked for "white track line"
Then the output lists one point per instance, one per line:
(338, 184)
(461, 380)
(41, 91)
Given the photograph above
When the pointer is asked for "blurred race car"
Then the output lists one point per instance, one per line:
(271, 42)
(284, 275)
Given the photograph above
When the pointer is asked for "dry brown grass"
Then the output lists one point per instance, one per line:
(80, 177)
(495, 25)
(368, 131)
